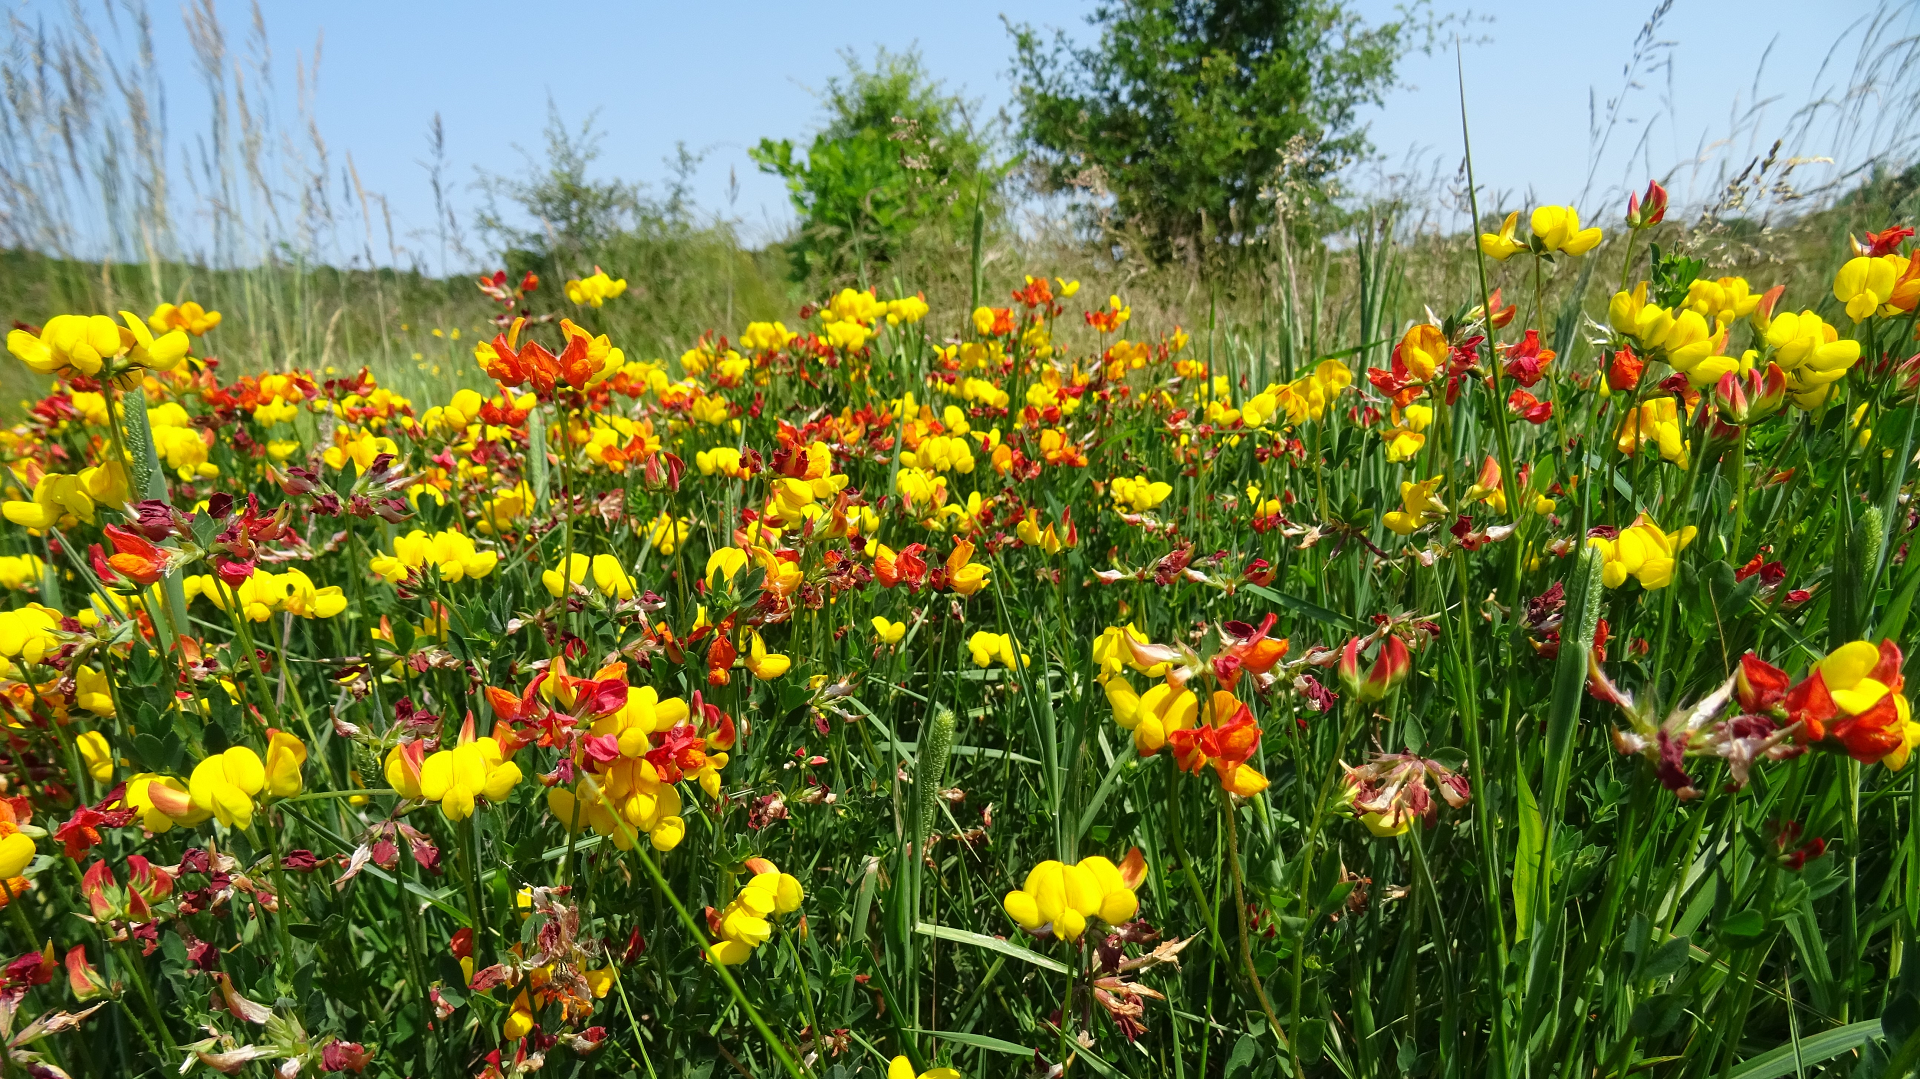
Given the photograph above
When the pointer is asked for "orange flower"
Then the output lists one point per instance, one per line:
(905, 567)
(134, 557)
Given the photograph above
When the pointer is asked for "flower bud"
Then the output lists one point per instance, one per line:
(1743, 399)
(1906, 379)
(1644, 213)
(1390, 668)
(1350, 665)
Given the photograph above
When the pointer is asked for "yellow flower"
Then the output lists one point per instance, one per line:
(1163, 709)
(1812, 354)
(21, 573)
(556, 585)
(1705, 371)
(745, 924)
(1641, 551)
(1402, 443)
(458, 777)
(285, 756)
(1723, 300)
(90, 691)
(765, 665)
(82, 342)
(258, 597)
(29, 633)
(941, 453)
(306, 601)
(162, 802)
(908, 309)
(848, 336)
(189, 316)
(1111, 652)
(632, 799)
(1557, 228)
(16, 854)
(766, 336)
(1686, 337)
(611, 578)
(180, 444)
(902, 1068)
(888, 632)
(1062, 899)
(990, 648)
(727, 562)
(58, 501)
(964, 575)
(226, 783)
(595, 290)
(1419, 507)
(1865, 285)
(1502, 245)
(1659, 420)
(451, 553)
(1139, 494)
(98, 756)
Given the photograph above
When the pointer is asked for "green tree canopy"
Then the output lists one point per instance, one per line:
(896, 154)
(1187, 115)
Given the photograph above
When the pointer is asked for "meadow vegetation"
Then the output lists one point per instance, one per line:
(1228, 631)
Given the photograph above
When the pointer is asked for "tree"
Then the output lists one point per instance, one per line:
(1187, 115)
(895, 155)
(572, 214)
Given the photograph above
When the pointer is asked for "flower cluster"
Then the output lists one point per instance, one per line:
(1061, 900)
(746, 922)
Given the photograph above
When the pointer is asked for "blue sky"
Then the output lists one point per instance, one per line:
(719, 76)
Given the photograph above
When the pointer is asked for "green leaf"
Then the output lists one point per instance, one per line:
(1526, 861)
(1306, 609)
(403, 636)
(1901, 1017)
(1745, 929)
(995, 944)
(1240, 1061)
(1668, 959)
(1311, 1037)
(1782, 1060)
(979, 1041)
(1656, 1015)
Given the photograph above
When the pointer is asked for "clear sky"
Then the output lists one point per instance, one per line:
(719, 76)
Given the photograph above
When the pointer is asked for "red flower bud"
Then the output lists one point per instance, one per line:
(1759, 685)
(1644, 213)
(1390, 668)
(1742, 399)
(1349, 668)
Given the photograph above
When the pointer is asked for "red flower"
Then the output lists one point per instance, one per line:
(1527, 361)
(1759, 684)
(1873, 733)
(1625, 370)
(1810, 704)
(1886, 242)
(905, 567)
(1234, 742)
(1530, 408)
(1189, 749)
